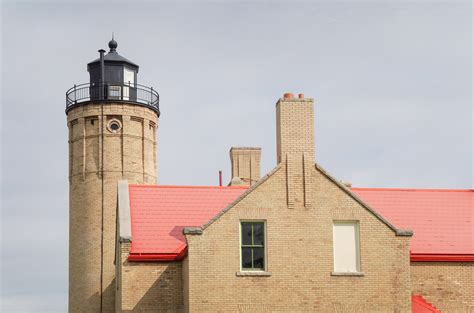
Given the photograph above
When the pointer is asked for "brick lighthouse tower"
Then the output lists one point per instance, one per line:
(112, 124)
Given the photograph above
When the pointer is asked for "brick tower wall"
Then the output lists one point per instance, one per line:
(129, 153)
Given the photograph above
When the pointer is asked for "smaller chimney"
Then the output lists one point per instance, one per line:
(245, 165)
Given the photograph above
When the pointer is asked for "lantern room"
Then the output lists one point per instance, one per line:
(112, 78)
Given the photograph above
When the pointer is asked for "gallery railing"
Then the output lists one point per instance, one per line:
(134, 93)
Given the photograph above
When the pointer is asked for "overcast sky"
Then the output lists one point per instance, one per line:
(392, 83)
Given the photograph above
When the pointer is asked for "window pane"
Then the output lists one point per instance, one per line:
(346, 247)
(258, 233)
(128, 76)
(115, 92)
(246, 257)
(246, 233)
(258, 258)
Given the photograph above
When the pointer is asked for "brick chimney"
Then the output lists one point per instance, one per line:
(295, 126)
(245, 165)
(295, 145)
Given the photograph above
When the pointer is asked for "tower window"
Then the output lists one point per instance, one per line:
(114, 125)
(252, 245)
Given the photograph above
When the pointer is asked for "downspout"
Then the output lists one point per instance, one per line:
(101, 97)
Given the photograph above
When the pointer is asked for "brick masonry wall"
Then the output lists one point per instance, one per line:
(148, 286)
(128, 154)
(299, 256)
(447, 285)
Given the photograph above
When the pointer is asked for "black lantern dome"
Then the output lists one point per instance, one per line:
(117, 68)
(113, 78)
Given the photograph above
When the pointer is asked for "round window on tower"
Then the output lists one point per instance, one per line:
(114, 126)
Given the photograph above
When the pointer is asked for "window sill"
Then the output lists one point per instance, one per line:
(253, 273)
(347, 274)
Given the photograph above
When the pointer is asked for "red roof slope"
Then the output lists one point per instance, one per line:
(420, 305)
(159, 213)
(442, 220)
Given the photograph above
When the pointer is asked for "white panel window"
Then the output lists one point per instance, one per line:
(128, 80)
(115, 92)
(346, 247)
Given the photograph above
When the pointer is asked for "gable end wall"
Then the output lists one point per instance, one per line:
(299, 256)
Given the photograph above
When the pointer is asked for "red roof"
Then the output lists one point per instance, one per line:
(420, 305)
(442, 220)
(159, 213)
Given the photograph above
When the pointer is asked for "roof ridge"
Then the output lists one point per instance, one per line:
(412, 189)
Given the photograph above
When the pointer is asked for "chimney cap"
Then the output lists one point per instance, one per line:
(288, 95)
(245, 148)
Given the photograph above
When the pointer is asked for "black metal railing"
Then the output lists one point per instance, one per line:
(135, 93)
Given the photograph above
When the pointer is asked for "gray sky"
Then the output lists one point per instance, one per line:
(392, 83)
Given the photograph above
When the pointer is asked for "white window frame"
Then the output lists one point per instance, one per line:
(265, 254)
(357, 247)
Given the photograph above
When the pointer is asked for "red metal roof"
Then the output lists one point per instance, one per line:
(159, 213)
(442, 220)
(420, 305)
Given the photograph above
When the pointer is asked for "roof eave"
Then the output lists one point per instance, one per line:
(428, 257)
(158, 257)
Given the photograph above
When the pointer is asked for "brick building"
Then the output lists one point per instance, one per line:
(294, 240)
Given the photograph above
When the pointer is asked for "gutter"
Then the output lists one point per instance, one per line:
(420, 257)
(157, 257)
(414, 257)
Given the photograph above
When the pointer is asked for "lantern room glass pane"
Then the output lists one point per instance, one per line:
(128, 80)
(128, 77)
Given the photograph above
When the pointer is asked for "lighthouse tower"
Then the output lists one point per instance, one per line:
(112, 122)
